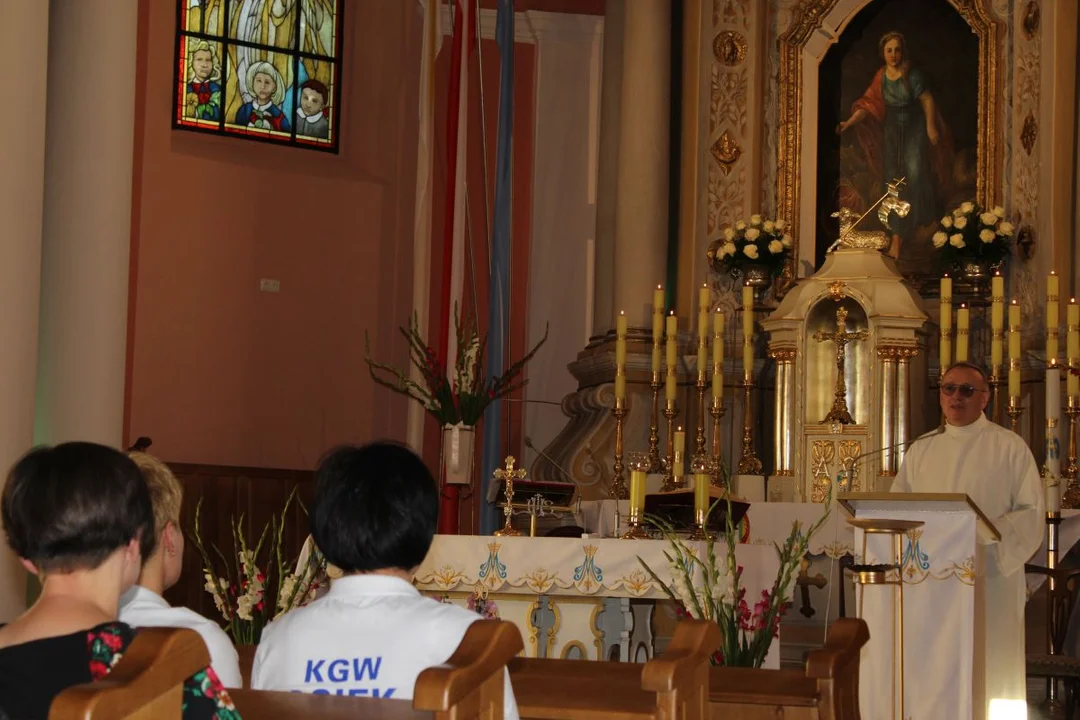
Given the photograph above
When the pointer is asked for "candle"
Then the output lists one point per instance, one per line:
(637, 491)
(678, 468)
(1072, 348)
(1053, 443)
(945, 350)
(718, 355)
(620, 356)
(748, 330)
(672, 336)
(997, 320)
(1014, 350)
(1052, 317)
(701, 494)
(657, 329)
(963, 322)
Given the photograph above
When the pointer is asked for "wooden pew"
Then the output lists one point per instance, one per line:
(147, 683)
(671, 687)
(828, 688)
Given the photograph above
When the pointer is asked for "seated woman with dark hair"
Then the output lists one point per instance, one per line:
(374, 519)
(79, 516)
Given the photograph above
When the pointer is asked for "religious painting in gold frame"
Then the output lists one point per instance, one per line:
(802, 121)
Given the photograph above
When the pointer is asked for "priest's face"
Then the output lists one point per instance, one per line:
(960, 410)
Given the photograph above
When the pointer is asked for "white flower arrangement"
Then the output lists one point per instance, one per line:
(757, 242)
(245, 596)
(970, 233)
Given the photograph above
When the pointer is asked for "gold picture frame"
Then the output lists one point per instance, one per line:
(807, 19)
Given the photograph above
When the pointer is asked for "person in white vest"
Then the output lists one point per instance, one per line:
(142, 605)
(374, 518)
(995, 468)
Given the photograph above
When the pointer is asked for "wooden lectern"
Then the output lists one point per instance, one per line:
(926, 548)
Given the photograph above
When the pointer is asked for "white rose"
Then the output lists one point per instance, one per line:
(1005, 228)
(740, 225)
(987, 235)
(776, 247)
(728, 249)
(786, 241)
(940, 239)
(750, 251)
(957, 241)
(729, 234)
(946, 222)
(988, 218)
(769, 226)
(999, 211)
(752, 233)
(780, 224)
(755, 219)
(967, 207)
(961, 222)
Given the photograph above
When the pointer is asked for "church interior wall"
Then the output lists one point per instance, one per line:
(222, 373)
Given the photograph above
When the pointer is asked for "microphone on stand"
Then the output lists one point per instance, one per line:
(541, 453)
(896, 446)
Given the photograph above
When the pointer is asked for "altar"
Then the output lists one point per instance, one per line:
(586, 598)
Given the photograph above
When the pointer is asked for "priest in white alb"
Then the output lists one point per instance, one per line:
(995, 468)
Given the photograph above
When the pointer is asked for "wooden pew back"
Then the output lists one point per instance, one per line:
(147, 683)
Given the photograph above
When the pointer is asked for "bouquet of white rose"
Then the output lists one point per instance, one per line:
(757, 242)
(969, 234)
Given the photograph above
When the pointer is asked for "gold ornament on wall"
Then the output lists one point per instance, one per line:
(726, 151)
(729, 48)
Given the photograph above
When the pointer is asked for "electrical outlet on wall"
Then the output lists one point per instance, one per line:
(269, 285)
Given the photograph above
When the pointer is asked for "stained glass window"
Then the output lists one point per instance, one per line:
(260, 69)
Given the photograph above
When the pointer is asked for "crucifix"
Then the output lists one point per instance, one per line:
(509, 475)
(839, 413)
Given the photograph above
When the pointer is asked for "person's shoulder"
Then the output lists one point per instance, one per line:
(447, 616)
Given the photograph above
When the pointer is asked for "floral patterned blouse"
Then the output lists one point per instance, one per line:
(33, 673)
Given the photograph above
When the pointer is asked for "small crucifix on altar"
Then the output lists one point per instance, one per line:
(509, 475)
(839, 413)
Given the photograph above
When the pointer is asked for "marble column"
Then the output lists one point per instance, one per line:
(87, 221)
(641, 213)
(608, 167)
(22, 179)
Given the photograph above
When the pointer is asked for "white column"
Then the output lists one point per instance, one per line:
(22, 177)
(563, 209)
(87, 220)
(641, 213)
(608, 167)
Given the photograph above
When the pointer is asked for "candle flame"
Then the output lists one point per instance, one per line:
(622, 312)
(997, 273)
(963, 306)
(945, 275)
(1013, 302)
(1053, 272)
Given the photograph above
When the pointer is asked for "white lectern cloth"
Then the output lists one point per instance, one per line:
(996, 469)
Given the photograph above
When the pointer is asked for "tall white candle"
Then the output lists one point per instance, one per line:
(1053, 437)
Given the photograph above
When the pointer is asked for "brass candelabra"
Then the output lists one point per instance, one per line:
(654, 420)
(1016, 409)
(618, 482)
(749, 463)
(670, 412)
(1071, 498)
(717, 412)
(699, 440)
(995, 390)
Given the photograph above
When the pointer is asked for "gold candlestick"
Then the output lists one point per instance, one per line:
(654, 424)
(749, 463)
(995, 389)
(1071, 499)
(1016, 409)
(618, 487)
(701, 517)
(699, 440)
(670, 412)
(717, 412)
(639, 462)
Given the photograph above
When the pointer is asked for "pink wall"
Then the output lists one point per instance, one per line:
(219, 372)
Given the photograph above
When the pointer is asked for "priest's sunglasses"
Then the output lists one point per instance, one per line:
(964, 390)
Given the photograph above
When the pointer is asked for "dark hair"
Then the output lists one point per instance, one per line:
(318, 87)
(70, 506)
(375, 508)
(969, 366)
